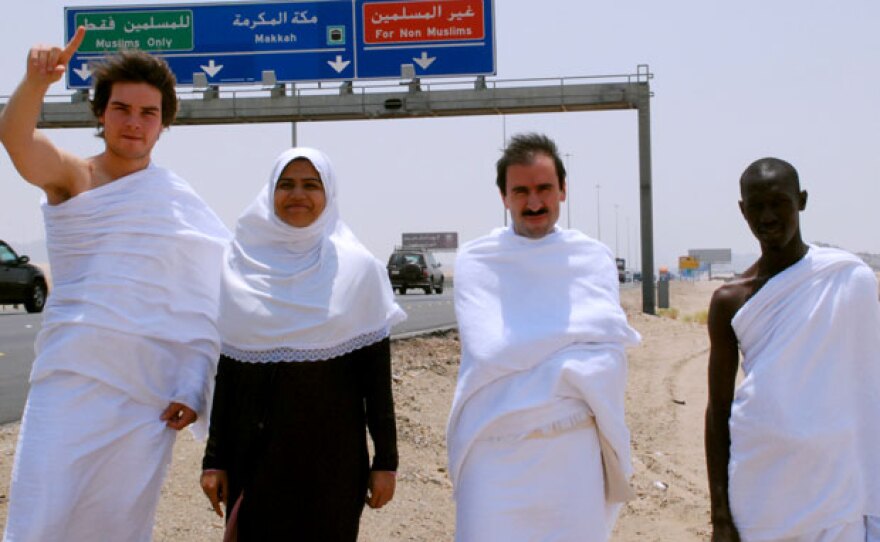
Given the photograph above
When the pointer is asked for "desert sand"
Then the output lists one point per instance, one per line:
(666, 399)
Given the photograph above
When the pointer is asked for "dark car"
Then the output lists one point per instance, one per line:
(21, 283)
(415, 268)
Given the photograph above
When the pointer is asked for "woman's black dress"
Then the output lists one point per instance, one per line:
(292, 438)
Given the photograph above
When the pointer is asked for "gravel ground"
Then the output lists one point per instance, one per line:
(665, 402)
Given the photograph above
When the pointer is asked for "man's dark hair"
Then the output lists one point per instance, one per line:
(521, 150)
(769, 168)
(134, 66)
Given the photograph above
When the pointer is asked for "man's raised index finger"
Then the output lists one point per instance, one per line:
(72, 45)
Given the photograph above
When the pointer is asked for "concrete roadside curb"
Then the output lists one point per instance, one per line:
(431, 331)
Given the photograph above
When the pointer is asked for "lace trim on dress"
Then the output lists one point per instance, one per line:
(287, 353)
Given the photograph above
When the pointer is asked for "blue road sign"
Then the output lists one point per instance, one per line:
(436, 38)
(230, 43)
(316, 40)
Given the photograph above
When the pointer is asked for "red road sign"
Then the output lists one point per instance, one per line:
(420, 21)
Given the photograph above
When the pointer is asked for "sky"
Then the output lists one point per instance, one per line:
(733, 82)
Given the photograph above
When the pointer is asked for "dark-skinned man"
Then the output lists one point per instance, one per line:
(793, 451)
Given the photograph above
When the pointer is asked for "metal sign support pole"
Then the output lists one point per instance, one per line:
(646, 199)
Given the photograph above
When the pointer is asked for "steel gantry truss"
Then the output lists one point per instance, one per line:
(315, 102)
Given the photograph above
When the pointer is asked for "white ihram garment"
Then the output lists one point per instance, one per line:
(805, 445)
(129, 327)
(538, 445)
(301, 294)
(104, 482)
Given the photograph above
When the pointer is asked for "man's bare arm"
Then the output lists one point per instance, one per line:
(35, 157)
(723, 365)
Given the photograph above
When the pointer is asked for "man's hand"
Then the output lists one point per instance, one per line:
(215, 485)
(47, 64)
(381, 488)
(177, 416)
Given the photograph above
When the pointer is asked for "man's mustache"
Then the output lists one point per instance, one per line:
(539, 212)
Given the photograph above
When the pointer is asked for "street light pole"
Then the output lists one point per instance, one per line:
(616, 238)
(568, 189)
(628, 253)
(504, 146)
(598, 216)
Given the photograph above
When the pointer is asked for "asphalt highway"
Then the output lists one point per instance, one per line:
(17, 332)
(19, 329)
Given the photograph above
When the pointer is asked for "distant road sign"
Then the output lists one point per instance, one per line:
(435, 241)
(688, 262)
(711, 255)
(313, 40)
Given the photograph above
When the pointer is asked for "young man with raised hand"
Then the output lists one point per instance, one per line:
(127, 350)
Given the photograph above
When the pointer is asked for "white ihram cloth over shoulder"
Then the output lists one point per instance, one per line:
(301, 294)
(136, 283)
(805, 445)
(130, 326)
(542, 335)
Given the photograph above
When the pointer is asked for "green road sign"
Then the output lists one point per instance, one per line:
(148, 31)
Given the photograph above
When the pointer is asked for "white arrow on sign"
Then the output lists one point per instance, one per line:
(84, 73)
(339, 64)
(212, 69)
(424, 61)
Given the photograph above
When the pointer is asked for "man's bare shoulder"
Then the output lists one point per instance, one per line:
(731, 296)
(76, 175)
(80, 175)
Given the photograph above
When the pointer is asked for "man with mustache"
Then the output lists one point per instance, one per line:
(793, 452)
(538, 445)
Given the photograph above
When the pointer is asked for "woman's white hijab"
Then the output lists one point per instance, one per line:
(301, 294)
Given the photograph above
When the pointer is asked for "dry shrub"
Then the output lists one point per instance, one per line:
(668, 313)
(700, 317)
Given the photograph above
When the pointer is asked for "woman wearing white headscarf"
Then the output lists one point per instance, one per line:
(305, 368)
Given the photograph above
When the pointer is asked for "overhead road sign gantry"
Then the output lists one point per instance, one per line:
(313, 40)
(229, 43)
(362, 102)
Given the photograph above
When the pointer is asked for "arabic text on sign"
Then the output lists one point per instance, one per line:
(283, 17)
(406, 22)
(153, 30)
